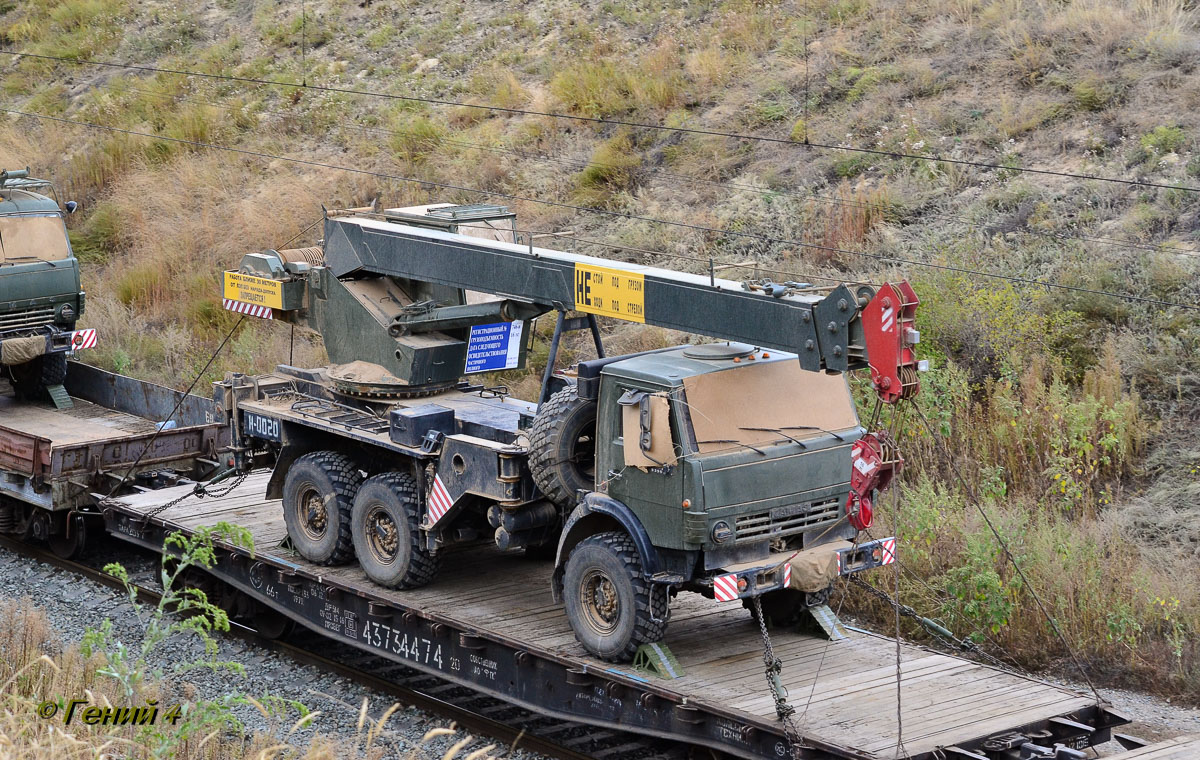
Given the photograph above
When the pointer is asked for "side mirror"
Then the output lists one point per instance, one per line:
(71, 206)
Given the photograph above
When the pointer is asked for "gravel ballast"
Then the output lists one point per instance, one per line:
(73, 604)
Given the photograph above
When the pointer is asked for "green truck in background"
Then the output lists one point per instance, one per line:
(41, 296)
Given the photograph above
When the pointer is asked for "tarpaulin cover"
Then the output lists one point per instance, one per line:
(814, 569)
(20, 350)
(32, 238)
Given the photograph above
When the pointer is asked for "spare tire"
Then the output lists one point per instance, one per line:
(562, 447)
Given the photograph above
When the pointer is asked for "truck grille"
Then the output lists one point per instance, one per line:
(786, 521)
(24, 320)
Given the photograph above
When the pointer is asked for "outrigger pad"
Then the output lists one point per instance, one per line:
(658, 660)
(828, 621)
(60, 397)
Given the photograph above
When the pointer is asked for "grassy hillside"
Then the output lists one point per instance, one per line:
(1070, 412)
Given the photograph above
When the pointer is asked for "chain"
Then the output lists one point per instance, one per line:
(200, 491)
(774, 671)
(964, 645)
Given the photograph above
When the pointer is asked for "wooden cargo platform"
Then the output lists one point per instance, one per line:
(1180, 748)
(844, 691)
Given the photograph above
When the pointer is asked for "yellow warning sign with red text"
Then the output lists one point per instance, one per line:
(258, 291)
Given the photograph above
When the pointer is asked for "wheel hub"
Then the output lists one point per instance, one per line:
(315, 516)
(384, 535)
(601, 606)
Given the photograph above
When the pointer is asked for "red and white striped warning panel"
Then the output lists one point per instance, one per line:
(439, 500)
(889, 319)
(887, 551)
(725, 588)
(83, 339)
(249, 309)
(787, 574)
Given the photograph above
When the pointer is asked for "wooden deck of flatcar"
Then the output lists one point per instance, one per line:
(844, 691)
(1179, 748)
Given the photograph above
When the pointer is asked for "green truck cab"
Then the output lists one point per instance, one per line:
(715, 467)
(41, 296)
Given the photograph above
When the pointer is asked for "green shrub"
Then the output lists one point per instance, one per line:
(99, 236)
(415, 137)
(851, 165)
(592, 88)
(1162, 140)
(613, 169)
(1095, 93)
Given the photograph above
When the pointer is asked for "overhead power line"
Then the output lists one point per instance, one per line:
(580, 164)
(598, 120)
(617, 214)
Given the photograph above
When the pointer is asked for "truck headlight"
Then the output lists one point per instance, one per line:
(721, 532)
(66, 313)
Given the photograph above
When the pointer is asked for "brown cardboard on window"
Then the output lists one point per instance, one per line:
(726, 405)
(662, 450)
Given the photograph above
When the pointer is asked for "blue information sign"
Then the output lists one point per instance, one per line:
(494, 347)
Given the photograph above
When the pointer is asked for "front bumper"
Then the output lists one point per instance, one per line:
(775, 572)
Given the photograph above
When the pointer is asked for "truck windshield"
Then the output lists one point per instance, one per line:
(32, 237)
(760, 404)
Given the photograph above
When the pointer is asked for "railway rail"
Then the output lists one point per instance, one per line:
(485, 717)
(489, 638)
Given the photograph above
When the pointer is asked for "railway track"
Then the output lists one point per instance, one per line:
(487, 717)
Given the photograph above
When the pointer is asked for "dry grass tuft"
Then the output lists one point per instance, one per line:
(33, 670)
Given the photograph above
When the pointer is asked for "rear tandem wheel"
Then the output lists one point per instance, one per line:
(318, 495)
(385, 524)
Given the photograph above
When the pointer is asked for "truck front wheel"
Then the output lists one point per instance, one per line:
(387, 537)
(609, 602)
(318, 496)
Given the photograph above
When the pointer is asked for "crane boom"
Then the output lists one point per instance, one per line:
(391, 290)
(822, 329)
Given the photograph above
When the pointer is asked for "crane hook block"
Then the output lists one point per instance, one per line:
(889, 328)
(875, 460)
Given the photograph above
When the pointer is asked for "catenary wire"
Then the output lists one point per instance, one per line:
(598, 120)
(581, 164)
(973, 497)
(618, 214)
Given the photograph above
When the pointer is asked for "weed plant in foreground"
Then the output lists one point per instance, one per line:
(103, 698)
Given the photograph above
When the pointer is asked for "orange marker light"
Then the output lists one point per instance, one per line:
(741, 584)
(687, 503)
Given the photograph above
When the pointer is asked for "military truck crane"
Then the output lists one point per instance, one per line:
(736, 469)
(40, 293)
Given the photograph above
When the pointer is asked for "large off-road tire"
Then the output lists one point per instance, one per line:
(318, 496)
(31, 378)
(562, 448)
(386, 527)
(608, 599)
